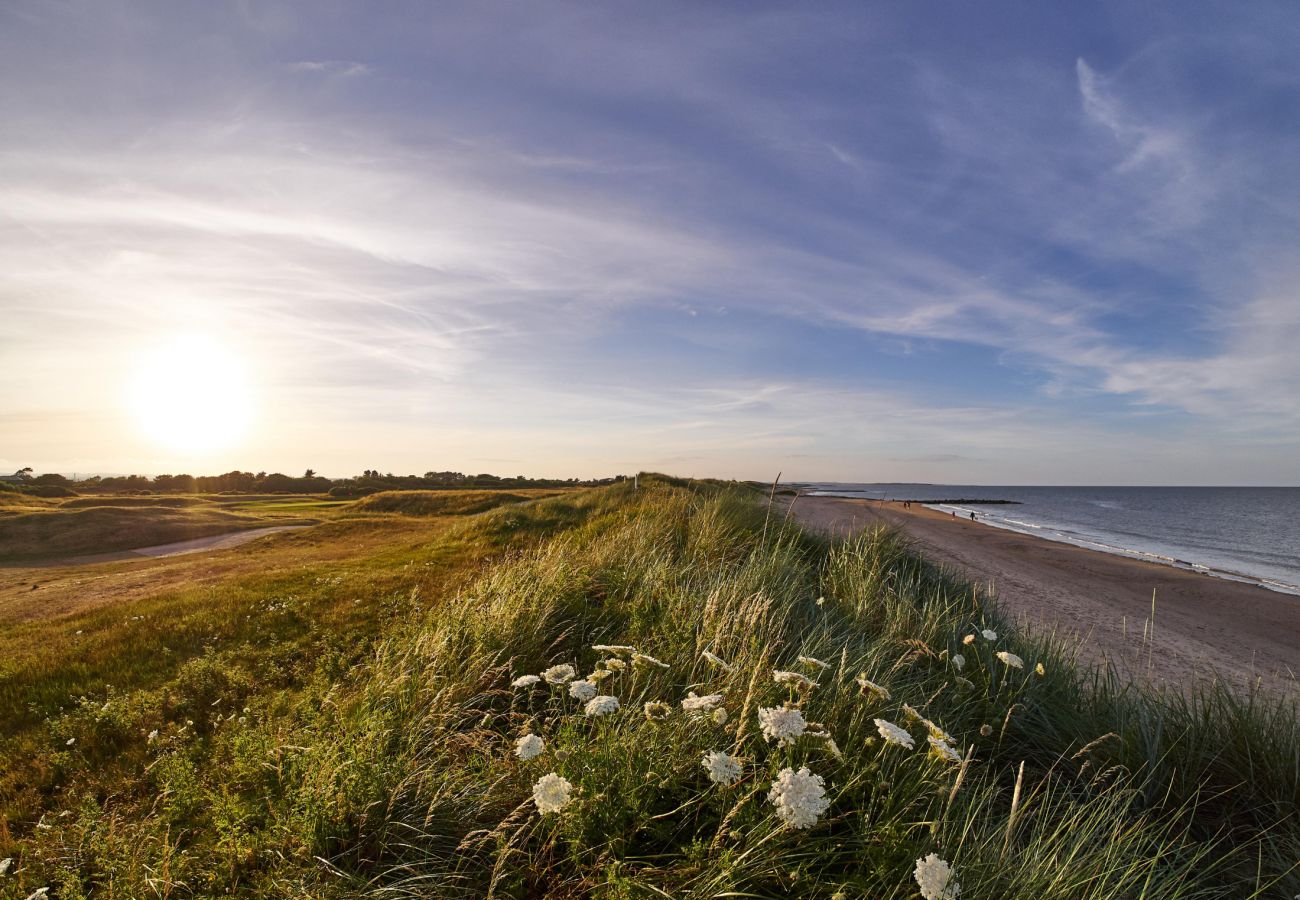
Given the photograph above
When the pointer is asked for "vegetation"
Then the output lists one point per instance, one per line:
(349, 729)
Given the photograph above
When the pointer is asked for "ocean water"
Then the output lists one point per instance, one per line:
(1242, 533)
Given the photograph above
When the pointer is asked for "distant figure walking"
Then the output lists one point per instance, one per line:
(972, 517)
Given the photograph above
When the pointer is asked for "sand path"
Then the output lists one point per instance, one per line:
(1101, 602)
(176, 548)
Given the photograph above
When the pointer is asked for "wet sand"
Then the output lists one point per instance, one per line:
(1203, 625)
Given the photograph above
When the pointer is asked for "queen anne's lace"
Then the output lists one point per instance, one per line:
(601, 706)
(552, 793)
(1011, 659)
(893, 734)
(935, 878)
(525, 681)
(582, 690)
(559, 674)
(781, 723)
(799, 797)
(722, 768)
(529, 746)
(701, 705)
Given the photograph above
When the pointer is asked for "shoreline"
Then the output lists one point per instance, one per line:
(1204, 625)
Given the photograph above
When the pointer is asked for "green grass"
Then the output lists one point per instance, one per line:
(442, 503)
(347, 731)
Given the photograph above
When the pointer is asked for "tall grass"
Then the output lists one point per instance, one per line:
(396, 777)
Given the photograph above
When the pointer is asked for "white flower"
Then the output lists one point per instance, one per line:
(599, 675)
(647, 660)
(821, 601)
(958, 661)
(893, 734)
(813, 661)
(869, 686)
(943, 750)
(911, 714)
(529, 746)
(613, 665)
(1039, 670)
(793, 679)
(799, 797)
(153, 735)
(720, 716)
(552, 793)
(582, 690)
(657, 711)
(39, 894)
(526, 681)
(935, 879)
(989, 635)
(781, 723)
(1011, 659)
(612, 648)
(722, 768)
(5, 864)
(717, 661)
(601, 706)
(559, 674)
(700, 705)
(968, 639)
(70, 741)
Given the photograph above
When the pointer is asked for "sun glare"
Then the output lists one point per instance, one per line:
(191, 394)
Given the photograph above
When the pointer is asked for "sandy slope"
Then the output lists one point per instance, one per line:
(1243, 632)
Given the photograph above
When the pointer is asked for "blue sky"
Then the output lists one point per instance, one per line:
(1016, 243)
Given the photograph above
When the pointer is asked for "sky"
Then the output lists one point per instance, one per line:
(990, 243)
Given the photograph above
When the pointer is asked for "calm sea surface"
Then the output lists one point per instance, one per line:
(1250, 534)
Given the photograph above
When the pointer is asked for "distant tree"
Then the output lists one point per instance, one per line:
(310, 473)
(51, 478)
(24, 473)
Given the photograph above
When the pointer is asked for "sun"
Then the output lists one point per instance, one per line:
(191, 394)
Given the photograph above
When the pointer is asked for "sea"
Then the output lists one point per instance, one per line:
(1249, 534)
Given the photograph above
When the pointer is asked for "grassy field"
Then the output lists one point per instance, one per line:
(341, 724)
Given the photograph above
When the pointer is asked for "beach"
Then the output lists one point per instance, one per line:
(1101, 603)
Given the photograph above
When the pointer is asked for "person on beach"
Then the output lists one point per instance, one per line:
(972, 516)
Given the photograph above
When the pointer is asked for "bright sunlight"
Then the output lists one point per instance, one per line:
(192, 394)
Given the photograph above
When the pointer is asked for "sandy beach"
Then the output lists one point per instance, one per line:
(1203, 625)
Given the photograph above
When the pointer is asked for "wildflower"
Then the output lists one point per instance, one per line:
(794, 679)
(657, 711)
(613, 665)
(39, 894)
(599, 675)
(821, 601)
(529, 746)
(697, 704)
(5, 864)
(153, 735)
(601, 706)
(813, 661)
(717, 661)
(722, 768)
(552, 793)
(968, 639)
(958, 661)
(935, 879)
(781, 723)
(870, 687)
(1011, 659)
(559, 674)
(893, 734)
(799, 797)
(911, 714)
(1039, 670)
(719, 716)
(617, 649)
(70, 741)
(989, 634)
(582, 690)
(943, 750)
(647, 660)
(986, 730)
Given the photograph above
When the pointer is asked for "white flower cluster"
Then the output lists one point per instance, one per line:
(583, 690)
(722, 768)
(1010, 659)
(529, 746)
(525, 681)
(700, 706)
(935, 878)
(601, 706)
(893, 734)
(870, 687)
(799, 797)
(781, 723)
(794, 679)
(560, 674)
(552, 793)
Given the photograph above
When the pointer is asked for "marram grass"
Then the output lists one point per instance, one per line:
(403, 776)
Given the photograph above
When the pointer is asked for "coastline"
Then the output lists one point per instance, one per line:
(1102, 601)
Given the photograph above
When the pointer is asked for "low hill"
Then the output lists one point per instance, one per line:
(664, 692)
(442, 503)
